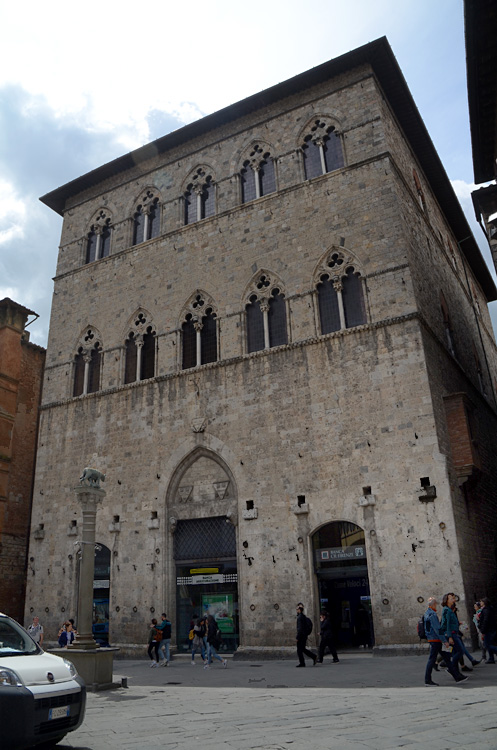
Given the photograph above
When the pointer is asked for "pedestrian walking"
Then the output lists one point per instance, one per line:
(326, 638)
(488, 628)
(437, 639)
(35, 630)
(199, 631)
(476, 619)
(304, 629)
(164, 646)
(154, 638)
(449, 629)
(213, 643)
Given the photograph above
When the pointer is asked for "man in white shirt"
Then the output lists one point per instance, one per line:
(36, 631)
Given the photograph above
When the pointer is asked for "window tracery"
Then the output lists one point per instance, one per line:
(322, 149)
(87, 363)
(140, 349)
(257, 174)
(266, 319)
(98, 238)
(199, 197)
(146, 219)
(199, 332)
(340, 294)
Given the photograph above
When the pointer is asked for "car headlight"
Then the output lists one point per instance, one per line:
(9, 678)
(72, 669)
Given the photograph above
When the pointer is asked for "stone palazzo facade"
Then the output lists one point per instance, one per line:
(270, 332)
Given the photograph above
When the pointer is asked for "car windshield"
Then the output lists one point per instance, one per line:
(14, 641)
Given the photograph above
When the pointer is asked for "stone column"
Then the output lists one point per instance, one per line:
(89, 497)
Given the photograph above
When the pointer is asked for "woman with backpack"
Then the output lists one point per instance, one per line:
(213, 642)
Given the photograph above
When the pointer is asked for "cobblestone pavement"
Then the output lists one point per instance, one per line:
(272, 706)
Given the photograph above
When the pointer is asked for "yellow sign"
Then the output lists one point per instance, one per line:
(202, 571)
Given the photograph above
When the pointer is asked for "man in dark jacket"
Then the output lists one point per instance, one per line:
(326, 638)
(488, 628)
(302, 634)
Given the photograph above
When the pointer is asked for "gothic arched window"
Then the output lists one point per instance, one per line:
(257, 175)
(98, 238)
(87, 365)
(340, 296)
(140, 351)
(146, 220)
(322, 150)
(266, 316)
(199, 197)
(199, 335)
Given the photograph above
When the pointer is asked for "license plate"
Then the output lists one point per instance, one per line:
(58, 713)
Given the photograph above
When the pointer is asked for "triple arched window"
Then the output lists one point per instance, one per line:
(98, 238)
(87, 364)
(140, 350)
(322, 150)
(199, 197)
(258, 174)
(266, 321)
(146, 219)
(199, 333)
(340, 295)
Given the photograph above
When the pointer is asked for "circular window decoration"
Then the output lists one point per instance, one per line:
(252, 607)
(385, 601)
(420, 599)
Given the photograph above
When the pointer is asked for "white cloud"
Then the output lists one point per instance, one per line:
(12, 213)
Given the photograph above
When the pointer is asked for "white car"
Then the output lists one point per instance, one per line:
(42, 696)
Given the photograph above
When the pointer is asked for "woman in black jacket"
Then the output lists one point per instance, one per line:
(213, 642)
(326, 638)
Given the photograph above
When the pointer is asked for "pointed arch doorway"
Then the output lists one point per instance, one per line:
(202, 511)
(341, 567)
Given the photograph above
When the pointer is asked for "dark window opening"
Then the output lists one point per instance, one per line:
(267, 178)
(94, 369)
(208, 337)
(139, 225)
(247, 176)
(105, 241)
(131, 358)
(300, 500)
(255, 325)
(189, 340)
(329, 313)
(148, 355)
(91, 246)
(353, 302)
(312, 159)
(79, 373)
(250, 505)
(277, 319)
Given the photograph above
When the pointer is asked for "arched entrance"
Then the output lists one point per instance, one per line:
(101, 594)
(202, 516)
(341, 567)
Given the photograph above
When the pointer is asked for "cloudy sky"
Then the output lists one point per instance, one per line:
(83, 83)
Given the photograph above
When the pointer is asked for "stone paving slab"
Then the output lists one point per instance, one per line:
(227, 711)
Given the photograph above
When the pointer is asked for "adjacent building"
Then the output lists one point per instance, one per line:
(270, 331)
(21, 377)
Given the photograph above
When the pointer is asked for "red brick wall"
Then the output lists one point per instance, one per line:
(21, 370)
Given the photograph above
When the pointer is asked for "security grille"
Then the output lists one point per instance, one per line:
(204, 539)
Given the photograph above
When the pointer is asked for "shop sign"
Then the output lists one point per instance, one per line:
(207, 578)
(101, 584)
(341, 553)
